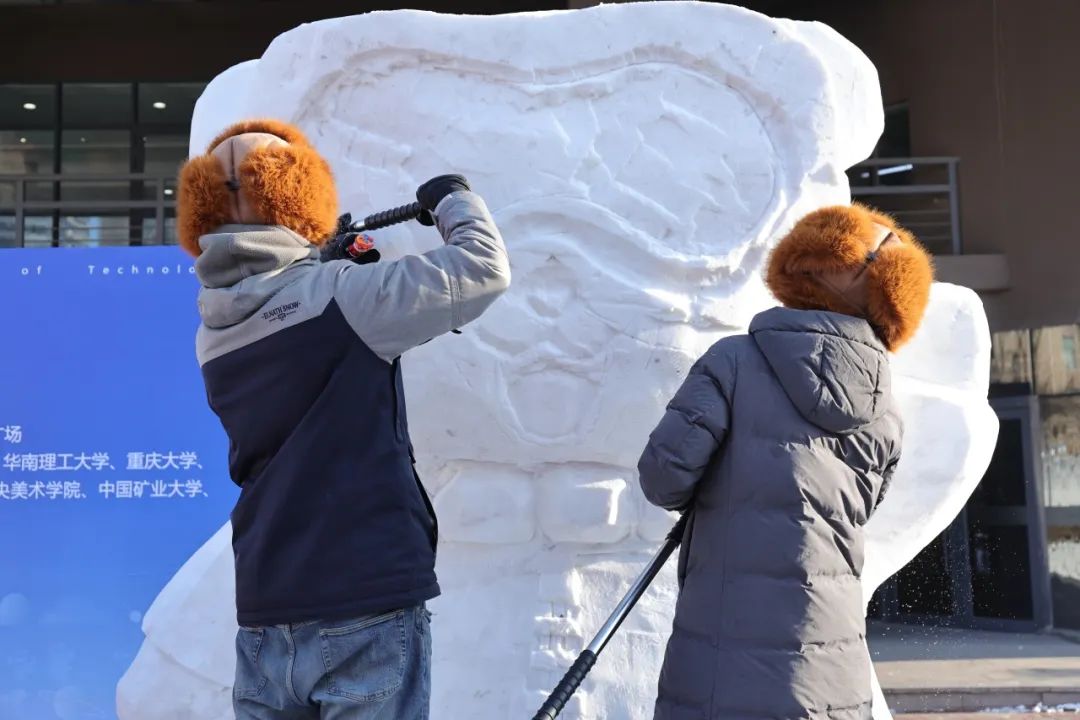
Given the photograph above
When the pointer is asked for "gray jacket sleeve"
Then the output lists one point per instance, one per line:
(690, 433)
(887, 476)
(395, 306)
(896, 441)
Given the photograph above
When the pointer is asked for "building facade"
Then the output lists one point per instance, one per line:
(985, 87)
(977, 158)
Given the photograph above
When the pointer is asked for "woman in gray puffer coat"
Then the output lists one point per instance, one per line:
(781, 443)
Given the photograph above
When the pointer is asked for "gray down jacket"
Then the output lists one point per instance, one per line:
(782, 441)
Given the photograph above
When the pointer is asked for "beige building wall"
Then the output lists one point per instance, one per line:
(995, 83)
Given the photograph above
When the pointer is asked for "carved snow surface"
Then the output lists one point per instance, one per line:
(640, 160)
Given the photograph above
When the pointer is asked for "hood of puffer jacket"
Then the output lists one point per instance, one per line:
(833, 367)
(240, 267)
(845, 238)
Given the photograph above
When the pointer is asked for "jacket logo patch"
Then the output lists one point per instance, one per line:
(282, 311)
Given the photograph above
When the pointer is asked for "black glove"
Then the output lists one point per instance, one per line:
(333, 248)
(431, 193)
(343, 244)
(344, 225)
(426, 217)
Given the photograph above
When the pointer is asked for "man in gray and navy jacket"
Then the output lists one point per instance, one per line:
(333, 534)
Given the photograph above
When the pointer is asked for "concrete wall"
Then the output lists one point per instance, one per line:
(995, 83)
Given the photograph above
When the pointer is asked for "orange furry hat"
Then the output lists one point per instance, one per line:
(841, 239)
(261, 172)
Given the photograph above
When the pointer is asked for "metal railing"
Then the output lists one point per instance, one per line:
(56, 207)
(922, 193)
(134, 209)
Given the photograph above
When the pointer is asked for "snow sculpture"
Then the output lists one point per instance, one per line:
(640, 160)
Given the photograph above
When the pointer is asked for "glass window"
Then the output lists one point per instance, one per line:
(1068, 348)
(97, 105)
(923, 585)
(163, 154)
(1054, 351)
(37, 230)
(1064, 551)
(168, 103)
(149, 229)
(1000, 571)
(1010, 357)
(97, 153)
(95, 135)
(94, 230)
(7, 229)
(25, 152)
(27, 106)
(1061, 450)
(895, 140)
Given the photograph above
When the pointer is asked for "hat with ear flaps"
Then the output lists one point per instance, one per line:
(857, 261)
(257, 172)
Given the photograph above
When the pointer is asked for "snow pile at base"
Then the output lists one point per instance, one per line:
(640, 159)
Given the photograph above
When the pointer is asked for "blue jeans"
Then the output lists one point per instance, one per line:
(371, 668)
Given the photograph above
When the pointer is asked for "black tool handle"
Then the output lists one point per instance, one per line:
(386, 218)
(565, 689)
(577, 672)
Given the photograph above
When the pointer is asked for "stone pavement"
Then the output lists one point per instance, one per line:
(935, 670)
(984, 716)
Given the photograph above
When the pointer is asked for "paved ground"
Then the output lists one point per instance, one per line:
(985, 716)
(890, 643)
(936, 669)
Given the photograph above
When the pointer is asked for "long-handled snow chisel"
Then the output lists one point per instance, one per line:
(576, 674)
(350, 242)
(386, 218)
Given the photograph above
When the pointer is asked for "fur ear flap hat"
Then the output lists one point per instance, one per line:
(856, 261)
(258, 172)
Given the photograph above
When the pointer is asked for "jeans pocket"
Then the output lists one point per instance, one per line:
(250, 679)
(424, 616)
(365, 658)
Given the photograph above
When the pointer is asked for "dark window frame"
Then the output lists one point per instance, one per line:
(137, 130)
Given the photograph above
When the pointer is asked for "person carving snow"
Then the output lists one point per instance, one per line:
(781, 443)
(333, 534)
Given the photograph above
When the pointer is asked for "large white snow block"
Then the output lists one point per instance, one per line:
(641, 160)
(941, 381)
